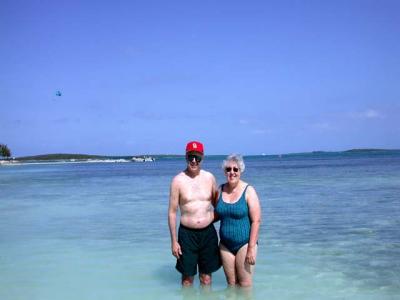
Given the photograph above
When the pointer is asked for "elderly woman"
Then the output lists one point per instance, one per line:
(238, 208)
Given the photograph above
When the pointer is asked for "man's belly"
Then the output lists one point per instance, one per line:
(198, 220)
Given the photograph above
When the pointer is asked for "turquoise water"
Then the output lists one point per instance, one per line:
(331, 230)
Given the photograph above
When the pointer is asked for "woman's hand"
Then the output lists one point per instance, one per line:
(251, 255)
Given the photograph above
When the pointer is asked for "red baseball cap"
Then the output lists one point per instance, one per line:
(195, 146)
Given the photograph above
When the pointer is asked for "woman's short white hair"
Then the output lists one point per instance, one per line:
(237, 158)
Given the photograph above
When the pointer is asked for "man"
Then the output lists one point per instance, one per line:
(193, 191)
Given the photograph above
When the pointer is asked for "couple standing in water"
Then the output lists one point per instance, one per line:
(201, 203)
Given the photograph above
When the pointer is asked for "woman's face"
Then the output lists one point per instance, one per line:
(232, 172)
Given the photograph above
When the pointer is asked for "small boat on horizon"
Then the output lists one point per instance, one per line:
(142, 158)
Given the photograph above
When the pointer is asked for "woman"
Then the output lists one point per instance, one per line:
(238, 208)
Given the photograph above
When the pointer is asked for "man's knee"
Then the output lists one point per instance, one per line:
(205, 279)
(187, 280)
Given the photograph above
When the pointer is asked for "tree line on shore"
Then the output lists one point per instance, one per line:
(5, 151)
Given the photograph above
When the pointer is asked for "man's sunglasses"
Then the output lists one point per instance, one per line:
(190, 157)
(228, 169)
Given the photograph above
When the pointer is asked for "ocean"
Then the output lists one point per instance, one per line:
(330, 229)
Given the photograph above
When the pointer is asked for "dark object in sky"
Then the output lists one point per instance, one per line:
(58, 93)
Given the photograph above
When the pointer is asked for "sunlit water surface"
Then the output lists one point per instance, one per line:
(331, 230)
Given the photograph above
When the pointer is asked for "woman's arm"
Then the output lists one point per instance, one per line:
(255, 220)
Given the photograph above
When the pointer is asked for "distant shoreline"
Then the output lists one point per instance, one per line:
(64, 156)
(70, 157)
(89, 156)
(61, 158)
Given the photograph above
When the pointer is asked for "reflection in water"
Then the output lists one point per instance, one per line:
(207, 292)
(235, 292)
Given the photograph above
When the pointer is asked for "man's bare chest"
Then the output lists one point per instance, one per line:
(195, 191)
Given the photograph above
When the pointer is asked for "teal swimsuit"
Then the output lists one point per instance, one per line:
(234, 230)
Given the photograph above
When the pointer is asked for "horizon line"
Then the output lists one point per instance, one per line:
(260, 154)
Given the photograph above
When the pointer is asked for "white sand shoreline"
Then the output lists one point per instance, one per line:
(73, 161)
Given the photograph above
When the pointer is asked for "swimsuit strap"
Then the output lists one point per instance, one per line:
(221, 187)
(244, 193)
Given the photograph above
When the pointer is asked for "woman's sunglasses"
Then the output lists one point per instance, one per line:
(190, 157)
(228, 169)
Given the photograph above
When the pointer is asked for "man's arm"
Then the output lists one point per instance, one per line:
(172, 211)
(214, 198)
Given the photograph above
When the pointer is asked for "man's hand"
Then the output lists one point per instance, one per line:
(176, 249)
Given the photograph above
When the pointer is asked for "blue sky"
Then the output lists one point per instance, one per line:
(241, 76)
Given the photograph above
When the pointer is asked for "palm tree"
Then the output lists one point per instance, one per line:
(5, 151)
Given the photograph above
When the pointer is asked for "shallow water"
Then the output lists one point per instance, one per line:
(99, 231)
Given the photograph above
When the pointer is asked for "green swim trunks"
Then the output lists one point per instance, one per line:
(199, 248)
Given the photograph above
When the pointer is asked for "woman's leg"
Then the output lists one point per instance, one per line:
(244, 271)
(228, 262)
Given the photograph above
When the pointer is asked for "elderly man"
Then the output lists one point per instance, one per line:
(193, 191)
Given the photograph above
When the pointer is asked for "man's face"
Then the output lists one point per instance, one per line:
(194, 159)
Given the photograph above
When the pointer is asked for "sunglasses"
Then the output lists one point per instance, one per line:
(190, 157)
(228, 169)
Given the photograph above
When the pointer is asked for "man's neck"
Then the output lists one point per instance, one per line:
(191, 173)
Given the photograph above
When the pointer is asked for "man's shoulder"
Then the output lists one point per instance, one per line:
(182, 176)
(179, 177)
